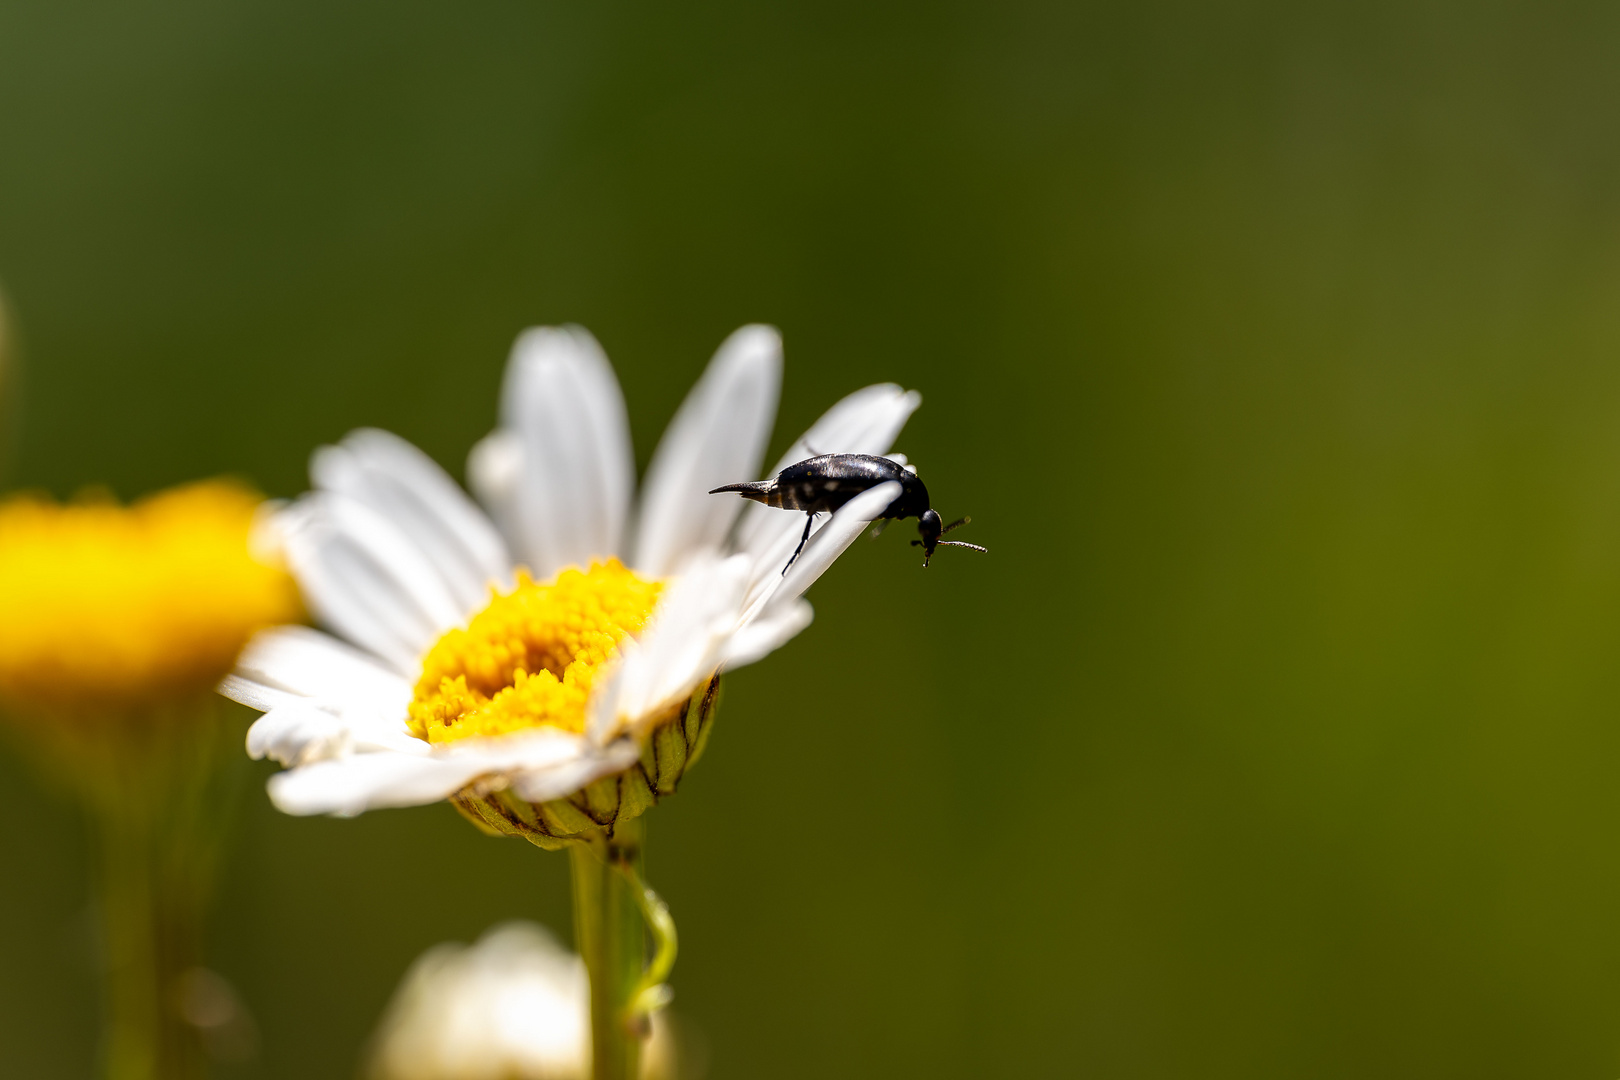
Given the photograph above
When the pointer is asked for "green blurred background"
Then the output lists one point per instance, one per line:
(1274, 348)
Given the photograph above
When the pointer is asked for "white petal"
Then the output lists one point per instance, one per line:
(301, 732)
(309, 663)
(683, 645)
(296, 730)
(369, 781)
(717, 437)
(362, 578)
(355, 783)
(284, 731)
(389, 475)
(826, 544)
(320, 698)
(764, 635)
(542, 784)
(253, 694)
(564, 405)
(493, 468)
(298, 733)
(865, 422)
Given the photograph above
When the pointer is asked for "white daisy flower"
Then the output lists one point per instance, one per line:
(549, 662)
(515, 1006)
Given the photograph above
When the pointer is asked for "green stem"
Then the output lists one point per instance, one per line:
(613, 911)
(150, 943)
(649, 993)
(160, 795)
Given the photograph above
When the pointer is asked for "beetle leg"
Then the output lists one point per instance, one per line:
(809, 520)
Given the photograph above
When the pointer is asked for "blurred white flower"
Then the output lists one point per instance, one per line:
(579, 668)
(515, 1006)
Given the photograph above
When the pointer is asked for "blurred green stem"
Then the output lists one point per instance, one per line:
(160, 789)
(150, 941)
(610, 906)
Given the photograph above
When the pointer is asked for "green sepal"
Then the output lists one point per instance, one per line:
(562, 818)
(669, 756)
(699, 720)
(470, 810)
(672, 748)
(635, 796)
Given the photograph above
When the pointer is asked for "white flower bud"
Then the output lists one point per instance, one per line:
(515, 1006)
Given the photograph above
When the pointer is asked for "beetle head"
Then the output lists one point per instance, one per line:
(929, 528)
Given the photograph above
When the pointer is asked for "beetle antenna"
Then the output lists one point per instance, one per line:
(957, 524)
(963, 543)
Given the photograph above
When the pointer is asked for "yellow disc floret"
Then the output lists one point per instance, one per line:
(529, 659)
(107, 609)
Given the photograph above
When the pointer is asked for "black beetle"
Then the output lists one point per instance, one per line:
(820, 485)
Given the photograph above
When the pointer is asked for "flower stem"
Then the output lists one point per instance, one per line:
(160, 799)
(150, 942)
(613, 911)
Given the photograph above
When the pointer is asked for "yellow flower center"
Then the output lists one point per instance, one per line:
(106, 609)
(529, 658)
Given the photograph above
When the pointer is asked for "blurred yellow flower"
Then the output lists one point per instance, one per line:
(116, 623)
(107, 609)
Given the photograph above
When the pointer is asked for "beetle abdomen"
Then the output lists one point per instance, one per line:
(760, 491)
(810, 498)
(821, 485)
